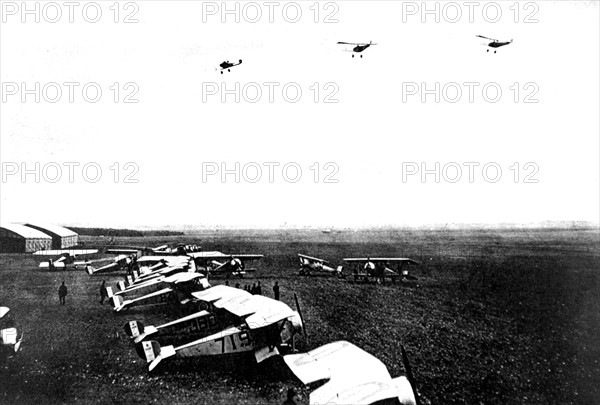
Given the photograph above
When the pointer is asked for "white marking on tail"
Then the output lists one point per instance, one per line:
(148, 351)
(135, 332)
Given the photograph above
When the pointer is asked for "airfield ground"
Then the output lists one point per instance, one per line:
(499, 317)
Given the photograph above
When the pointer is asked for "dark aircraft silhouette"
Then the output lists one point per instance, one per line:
(227, 65)
(358, 47)
(495, 43)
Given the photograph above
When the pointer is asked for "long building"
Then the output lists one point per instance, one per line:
(61, 237)
(18, 238)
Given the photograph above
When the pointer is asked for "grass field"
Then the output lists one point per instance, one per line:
(500, 316)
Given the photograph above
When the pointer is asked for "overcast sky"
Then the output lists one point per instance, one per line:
(374, 141)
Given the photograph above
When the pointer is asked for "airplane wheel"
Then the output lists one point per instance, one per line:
(487, 50)
(221, 72)
(361, 56)
(353, 56)
(494, 51)
(229, 70)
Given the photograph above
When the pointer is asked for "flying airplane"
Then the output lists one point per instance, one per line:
(377, 267)
(177, 288)
(230, 265)
(120, 263)
(353, 376)
(9, 336)
(228, 65)
(495, 43)
(310, 265)
(261, 326)
(66, 257)
(358, 47)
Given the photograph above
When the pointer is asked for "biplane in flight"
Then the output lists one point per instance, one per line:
(10, 342)
(67, 257)
(176, 288)
(494, 43)
(251, 324)
(228, 65)
(377, 268)
(357, 47)
(217, 263)
(310, 265)
(352, 376)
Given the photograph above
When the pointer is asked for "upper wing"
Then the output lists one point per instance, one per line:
(491, 39)
(350, 43)
(220, 294)
(258, 311)
(354, 375)
(71, 252)
(220, 256)
(315, 259)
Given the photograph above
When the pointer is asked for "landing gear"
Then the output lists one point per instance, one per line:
(353, 55)
(229, 70)
(361, 56)
(494, 51)
(221, 72)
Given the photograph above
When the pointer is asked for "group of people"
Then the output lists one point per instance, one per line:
(256, 288)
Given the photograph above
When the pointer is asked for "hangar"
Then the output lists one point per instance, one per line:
(61, 237)
(17, 238)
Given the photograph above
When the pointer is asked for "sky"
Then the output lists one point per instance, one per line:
(363, 144)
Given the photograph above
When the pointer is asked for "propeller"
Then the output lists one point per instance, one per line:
(409, 374)
(304, 332)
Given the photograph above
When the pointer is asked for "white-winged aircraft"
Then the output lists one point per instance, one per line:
(260, 325)
(66, 257)
(352, 376)
(310, 265)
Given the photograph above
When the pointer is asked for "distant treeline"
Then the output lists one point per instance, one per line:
(122, 232)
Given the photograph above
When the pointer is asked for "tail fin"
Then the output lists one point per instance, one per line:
(240, 61)
(117, 301)
(129, 279)
(121, 285)
(90, 270)
(153, 353)
(134, 329)
(109, 292)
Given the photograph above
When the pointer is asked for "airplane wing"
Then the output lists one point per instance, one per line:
(350, 43)
(491, 39)
(258, 311)
(222, 256)
(314, 259)
(70, 252)
(220, 294)
(120, 304)
(354, 376)
(138, 331)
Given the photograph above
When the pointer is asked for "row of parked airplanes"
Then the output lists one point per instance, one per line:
(223, 320)
(218, 263)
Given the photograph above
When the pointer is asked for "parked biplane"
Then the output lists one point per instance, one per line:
(180, 249)
(217, 263)
(120, 263)
(353, 376)
(259, 325)
(494, 44)
(177, 288)
(66, 257)
(312, 265)
(10, 342)
(377, 268)
(149, 267)
(357, 47)
(228, 65)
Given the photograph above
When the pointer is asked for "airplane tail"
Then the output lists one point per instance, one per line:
(90, 270)
(117, 301)
(339, 272)
(153, 353)
(136, 329)
(121, 285)
(240, 62)
(129, 280)
(109, 292)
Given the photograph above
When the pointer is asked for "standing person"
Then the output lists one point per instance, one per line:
(103, 294)
(253, 289)
(259, 289)
(276, 290)
(62, 293)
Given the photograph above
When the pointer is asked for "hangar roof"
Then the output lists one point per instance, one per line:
(56, 229)
(25, 231)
